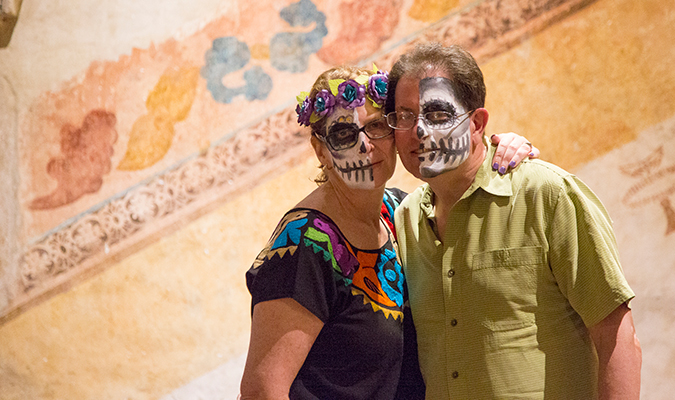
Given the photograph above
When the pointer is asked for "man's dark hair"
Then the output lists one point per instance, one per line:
(460, 66)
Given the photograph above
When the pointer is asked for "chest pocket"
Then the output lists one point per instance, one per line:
(503, 287)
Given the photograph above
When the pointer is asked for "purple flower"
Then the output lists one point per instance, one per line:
(304, 111)
(324, 103)
(351, 94)
(377, 87)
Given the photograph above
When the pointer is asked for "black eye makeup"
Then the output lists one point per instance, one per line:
(439, 105)
(342, 135)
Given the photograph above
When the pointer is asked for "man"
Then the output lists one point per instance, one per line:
(515, 284)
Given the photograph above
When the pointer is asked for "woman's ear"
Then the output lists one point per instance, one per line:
(321, 151)
(479, 119)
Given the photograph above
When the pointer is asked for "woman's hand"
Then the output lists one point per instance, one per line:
(511, 150)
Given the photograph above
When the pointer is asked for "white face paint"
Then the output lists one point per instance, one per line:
(353, 165)
(443, 147)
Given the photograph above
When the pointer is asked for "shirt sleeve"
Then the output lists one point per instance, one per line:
(583, 254)
(295, 264)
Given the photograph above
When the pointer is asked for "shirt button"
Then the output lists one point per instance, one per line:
(451, 273)
(453, 322)
(455, 374)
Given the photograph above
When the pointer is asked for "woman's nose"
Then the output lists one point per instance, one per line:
(366, 145)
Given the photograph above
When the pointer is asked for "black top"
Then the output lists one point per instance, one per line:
(358, 294)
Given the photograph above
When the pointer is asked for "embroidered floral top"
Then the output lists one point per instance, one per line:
(358, 294)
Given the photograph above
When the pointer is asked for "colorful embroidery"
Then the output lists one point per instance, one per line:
(390, 275)
(376, 276)
(270, 250)
(292, 233)
(346, 263)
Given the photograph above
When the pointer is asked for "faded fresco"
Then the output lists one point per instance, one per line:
(160, 134)
(177, 98)
(144, 184)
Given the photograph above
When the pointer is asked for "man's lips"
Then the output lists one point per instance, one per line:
(422, 151)
(447, 149)
(444, 146)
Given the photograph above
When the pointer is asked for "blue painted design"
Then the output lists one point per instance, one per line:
(290, 233)
(290, 51)
(391, 279)
(228, 55)
(258, 84)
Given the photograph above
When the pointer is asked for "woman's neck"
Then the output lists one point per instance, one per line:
(355, 211)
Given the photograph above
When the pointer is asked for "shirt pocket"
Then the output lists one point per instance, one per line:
(503, 287)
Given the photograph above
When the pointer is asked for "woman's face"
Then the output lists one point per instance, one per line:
(360, 160)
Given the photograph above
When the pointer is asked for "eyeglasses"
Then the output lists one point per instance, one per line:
(343, 135)
(435, 119)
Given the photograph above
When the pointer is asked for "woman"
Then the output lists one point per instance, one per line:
(328, 292)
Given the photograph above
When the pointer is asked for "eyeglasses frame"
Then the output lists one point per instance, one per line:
(426, 121)
(361, 129)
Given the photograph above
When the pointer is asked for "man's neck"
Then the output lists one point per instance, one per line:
(449, 187)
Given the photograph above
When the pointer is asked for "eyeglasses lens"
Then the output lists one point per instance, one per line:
(407, 119)
(377, 129)
(401, 119)
(342, 136)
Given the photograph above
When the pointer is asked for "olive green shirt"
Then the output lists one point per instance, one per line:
(502, 304)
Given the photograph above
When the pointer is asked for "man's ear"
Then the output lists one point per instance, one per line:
(479, 119)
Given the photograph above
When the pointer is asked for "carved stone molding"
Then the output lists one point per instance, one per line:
(491, 27)
(225, 169)
(237, 164)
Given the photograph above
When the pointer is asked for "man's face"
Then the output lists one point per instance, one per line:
(441, 141)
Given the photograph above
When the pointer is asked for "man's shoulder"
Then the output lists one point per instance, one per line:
(413, 199)
(538, 172)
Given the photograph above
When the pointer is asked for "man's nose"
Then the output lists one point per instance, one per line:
(421, 132)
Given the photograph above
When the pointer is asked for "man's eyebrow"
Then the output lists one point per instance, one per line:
(439, 105)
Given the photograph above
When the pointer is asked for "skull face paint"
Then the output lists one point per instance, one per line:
(444, 146)
(353, 165)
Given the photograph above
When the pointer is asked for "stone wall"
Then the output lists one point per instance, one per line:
(143, 173)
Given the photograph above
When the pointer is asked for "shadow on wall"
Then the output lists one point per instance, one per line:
(9, 15)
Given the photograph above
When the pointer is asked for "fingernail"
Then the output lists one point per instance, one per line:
(492, 137)
(495, 166)
(512, 164)
(531, 154)
(502, 170)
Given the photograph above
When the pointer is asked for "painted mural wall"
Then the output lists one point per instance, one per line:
(150, 149)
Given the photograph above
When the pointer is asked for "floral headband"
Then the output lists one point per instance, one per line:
(347, 94)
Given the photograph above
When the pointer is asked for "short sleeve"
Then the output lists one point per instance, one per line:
(583, 254)
(295, 264)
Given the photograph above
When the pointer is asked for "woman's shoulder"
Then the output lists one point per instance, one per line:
(394, 195)
(298, 221)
